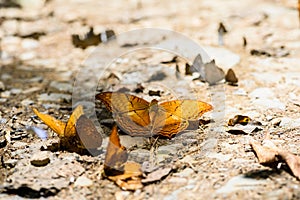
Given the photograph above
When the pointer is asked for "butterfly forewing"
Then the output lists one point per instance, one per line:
(186, 109)
(122, 103)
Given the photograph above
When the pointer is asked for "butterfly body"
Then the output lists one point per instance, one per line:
(138, 117)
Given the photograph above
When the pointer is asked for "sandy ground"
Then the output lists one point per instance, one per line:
(40, 67)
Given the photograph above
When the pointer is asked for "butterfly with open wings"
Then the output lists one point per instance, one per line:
(138, 117)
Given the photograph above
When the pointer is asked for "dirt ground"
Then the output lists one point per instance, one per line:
(42, 68)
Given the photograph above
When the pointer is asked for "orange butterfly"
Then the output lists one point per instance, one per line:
(77, 134)
(138, 117)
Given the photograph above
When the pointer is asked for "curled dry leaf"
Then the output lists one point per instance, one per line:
(271, 155)
(231, 78)
(292, 161)
(126, 175)
(265, 155)
(239, 119)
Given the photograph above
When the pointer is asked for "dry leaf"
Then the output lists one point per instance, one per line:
(157, 175)
(126, 175)
(231, 78)
(265, 155)
(292, 161)
(116, 155)
(271, 155)
(239, 119)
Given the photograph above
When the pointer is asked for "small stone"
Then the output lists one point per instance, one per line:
(27, 56)
(27, 102)
(5, 94)
(2, 86)
(15, 91)
(29, 43)
(269, 103)
(40, 159)
(187, 172)
(56, 97)
(10, 163)
(62, 87)
(240, 92)
(19, 144)
(262, 93)
(289, 122)
(169, 149)
(241, 182)
(276, 121)
(3, 141)
(83, 181)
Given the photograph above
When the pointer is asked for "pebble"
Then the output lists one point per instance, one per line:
(15, 91)
(83, 181)
(169, 149)
(186, 173)
(178, 180)
(240, 182)
(289, 122)
(56, 97)
(62, 87)
(220, 156)
(29, 43)
(259, 93)
(224, 58)
(28, 55)
(5, 94)
(129, 141)
(2, 86)
(269, 103)
(3, 141)
(18, 144)
(10, 163)
(240, 92)
(40, 159)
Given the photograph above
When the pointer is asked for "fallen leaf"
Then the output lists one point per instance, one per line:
(116, 155)
(292, 161)
(157, 175)
(239, 119)
(265, 155)
(127, 175)
(91, 39)
(209, 72)
(231, 78)
(270, 155)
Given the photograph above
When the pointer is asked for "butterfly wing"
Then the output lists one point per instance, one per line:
(70, 130)
(87, 132)
(130, 112)
(167, 125)
(56, 125)
(186, 109)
